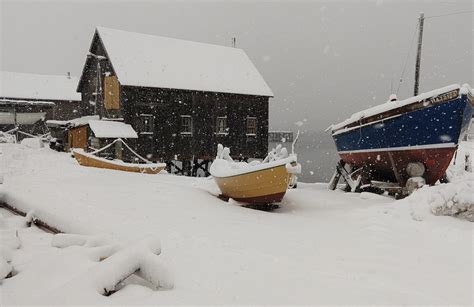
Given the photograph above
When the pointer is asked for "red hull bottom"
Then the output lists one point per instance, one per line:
(381, 165)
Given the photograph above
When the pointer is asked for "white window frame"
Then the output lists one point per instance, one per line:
(247, 126)
(226, 128)
(187, 133)
(152, 124)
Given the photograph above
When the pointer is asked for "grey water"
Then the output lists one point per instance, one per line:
(317, 155)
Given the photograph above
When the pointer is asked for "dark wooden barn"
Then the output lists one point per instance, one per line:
(26, 100)
(182, 97)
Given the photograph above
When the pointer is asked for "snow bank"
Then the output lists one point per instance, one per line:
(9, 240)
(34, 143)
(453, 199)
(224, 166)
(334, 242)
(5, 268)
(100, 247)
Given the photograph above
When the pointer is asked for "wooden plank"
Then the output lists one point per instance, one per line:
(111, 93)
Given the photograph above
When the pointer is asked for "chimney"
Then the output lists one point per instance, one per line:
(69, 75)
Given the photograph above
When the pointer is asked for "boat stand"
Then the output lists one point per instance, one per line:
(341, 172)
(393, 189)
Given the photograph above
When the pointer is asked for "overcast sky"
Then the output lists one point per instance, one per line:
(324, 60)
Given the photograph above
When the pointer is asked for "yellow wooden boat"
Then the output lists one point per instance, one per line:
(259, 183)
(87, 159)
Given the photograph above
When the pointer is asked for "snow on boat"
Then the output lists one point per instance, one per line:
(255, 182)
(416, 137)
(87, 159)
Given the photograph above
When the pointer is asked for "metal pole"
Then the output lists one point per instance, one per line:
(421, 21)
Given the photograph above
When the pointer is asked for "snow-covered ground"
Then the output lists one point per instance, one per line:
(320, 247)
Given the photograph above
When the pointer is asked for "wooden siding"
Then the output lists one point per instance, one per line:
(167, 106)
(111, 93)
(78, 137)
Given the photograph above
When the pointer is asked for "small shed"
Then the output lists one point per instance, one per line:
(90, 132)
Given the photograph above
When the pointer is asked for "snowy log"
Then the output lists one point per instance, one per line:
(62, 240)
(138, 257)
(5, 268)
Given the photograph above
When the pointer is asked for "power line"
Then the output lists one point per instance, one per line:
(413, 39)
(407, 57)
(449, 14)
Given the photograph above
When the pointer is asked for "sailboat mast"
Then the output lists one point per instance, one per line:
(421, 21)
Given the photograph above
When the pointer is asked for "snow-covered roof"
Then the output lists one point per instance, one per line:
(390, 105)
(25, 102)
(112, 129)
(34, 86)
(80, 121)
(155, 61)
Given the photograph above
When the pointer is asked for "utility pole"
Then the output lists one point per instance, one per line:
(421, 21)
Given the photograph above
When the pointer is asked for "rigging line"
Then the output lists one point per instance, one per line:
(449, 14)
(407, 57)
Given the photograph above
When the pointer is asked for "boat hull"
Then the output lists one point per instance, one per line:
(258, 187)
(382, 165)
(88, 160)
(384, 148)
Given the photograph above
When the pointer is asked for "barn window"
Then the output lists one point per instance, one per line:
(221, 125)
(186, 125)
(251, 125)
(146, 124)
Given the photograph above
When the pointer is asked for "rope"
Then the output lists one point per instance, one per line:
(449, 14)
(406, 59)
(126, 145)
(294, 142)
(104, 148)
(10, 131)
